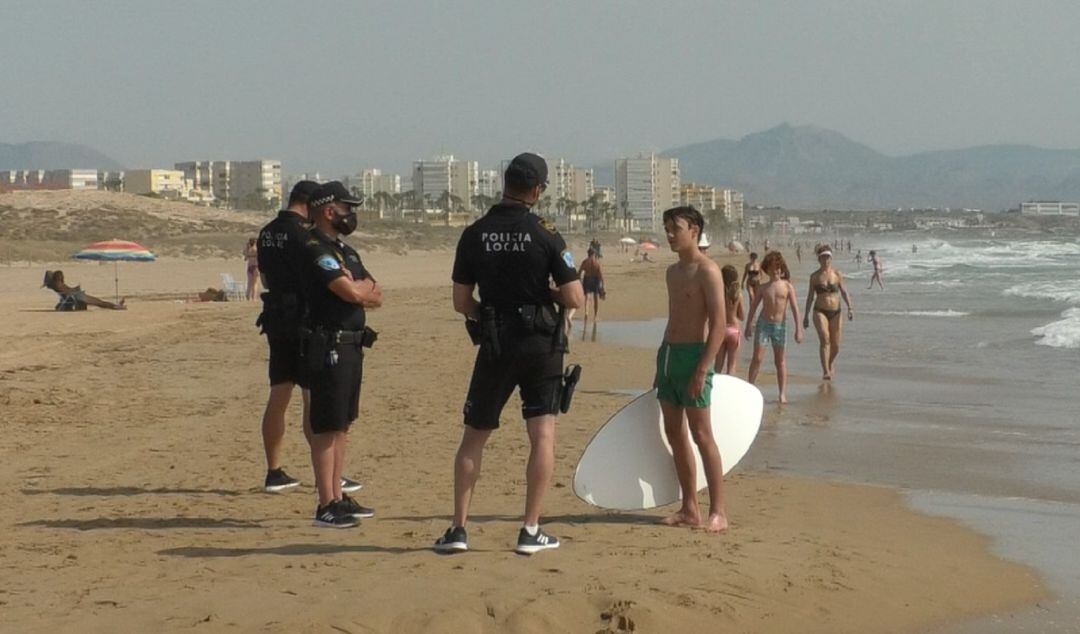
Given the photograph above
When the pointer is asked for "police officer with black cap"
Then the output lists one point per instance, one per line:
(281, 244)
(338, 290)
(513, 256)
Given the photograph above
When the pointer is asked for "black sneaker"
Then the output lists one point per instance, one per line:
(454, 540)
(278, 480)
(350, 486)
(352, 508)
(331, 516)
(529, 544)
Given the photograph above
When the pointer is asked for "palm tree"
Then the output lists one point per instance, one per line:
(568, 206)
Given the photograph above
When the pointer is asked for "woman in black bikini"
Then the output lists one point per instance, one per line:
(826, 289)
(750, 277)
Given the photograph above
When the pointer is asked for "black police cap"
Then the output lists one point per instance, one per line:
(527, 169)
(332, 192)
(304, 188)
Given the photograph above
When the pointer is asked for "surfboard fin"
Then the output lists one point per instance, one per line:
(570, 380)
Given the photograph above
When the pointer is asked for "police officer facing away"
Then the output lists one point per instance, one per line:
(338, 290)
(512, 256)
(281, 244)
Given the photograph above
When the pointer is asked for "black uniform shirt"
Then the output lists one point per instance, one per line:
(511, 254)
(324, 261)
(281, 245)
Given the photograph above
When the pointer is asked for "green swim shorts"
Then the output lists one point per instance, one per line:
(675, 364)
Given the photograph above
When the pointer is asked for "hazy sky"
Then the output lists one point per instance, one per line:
(336, 86)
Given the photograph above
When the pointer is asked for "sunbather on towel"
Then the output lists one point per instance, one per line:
(74, 297)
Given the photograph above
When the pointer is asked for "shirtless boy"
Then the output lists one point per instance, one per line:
(774, 297)
(684, 366)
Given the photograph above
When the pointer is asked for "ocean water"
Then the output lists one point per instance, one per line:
(957, 383)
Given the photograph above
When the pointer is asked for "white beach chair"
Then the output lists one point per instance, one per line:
(234, 290)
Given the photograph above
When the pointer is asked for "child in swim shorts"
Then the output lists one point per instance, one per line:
(771, 326)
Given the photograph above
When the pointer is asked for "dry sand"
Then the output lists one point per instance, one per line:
(131, 451)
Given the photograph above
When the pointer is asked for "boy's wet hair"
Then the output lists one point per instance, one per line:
(753, 255)
(688, 213)
(773, 259)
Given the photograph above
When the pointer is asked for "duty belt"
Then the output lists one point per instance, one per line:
(349, 336)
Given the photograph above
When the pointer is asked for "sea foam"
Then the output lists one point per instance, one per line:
(1064, 333)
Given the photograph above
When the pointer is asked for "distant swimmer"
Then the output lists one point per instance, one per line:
(684, 367)
(798, 252)
(734, 313)
(826, 290)
(914, 248)
(858, 258)
(879, 266)
(751, 273)
(771, 327)
(74, 297)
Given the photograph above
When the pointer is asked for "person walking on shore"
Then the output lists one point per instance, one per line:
(824, 295)
(512, 257)
(751, 273)
(771, 327)
(728, 357)
(879, 266)
(592, 280)
(251, 259)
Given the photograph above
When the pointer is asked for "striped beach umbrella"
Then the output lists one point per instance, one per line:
(115, 250)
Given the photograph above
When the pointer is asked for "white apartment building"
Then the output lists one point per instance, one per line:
(168, 183)
(430, 179)
(72, 178)
(251, 178)
(645, 186)
(489, 183)
(1049, 208)
(374, 181)
(582, 185)
(700, 197)
(731, 204)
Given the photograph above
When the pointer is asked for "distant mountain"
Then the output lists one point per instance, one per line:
(47, 155)
(810, 167)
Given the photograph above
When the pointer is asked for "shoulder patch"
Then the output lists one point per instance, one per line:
(328, 263)
(550, 226)
(568, 258)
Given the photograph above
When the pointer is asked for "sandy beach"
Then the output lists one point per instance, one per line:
(132, 451)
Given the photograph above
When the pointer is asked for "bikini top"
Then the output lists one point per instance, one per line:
(829, 288)
(752, 273)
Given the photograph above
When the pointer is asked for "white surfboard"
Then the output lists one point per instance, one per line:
(627, 465)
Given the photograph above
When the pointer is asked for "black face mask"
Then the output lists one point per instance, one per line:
(345, 224)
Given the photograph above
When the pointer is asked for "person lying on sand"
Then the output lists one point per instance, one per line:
(74, 297)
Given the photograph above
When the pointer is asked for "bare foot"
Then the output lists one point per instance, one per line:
(826, 377)
(715, 523)
(682, 518)
(783, 399)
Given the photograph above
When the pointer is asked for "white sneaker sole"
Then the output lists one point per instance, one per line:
(454, 547)
(351, 489)
(280, 487)
(529, 550)
(331, 525)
